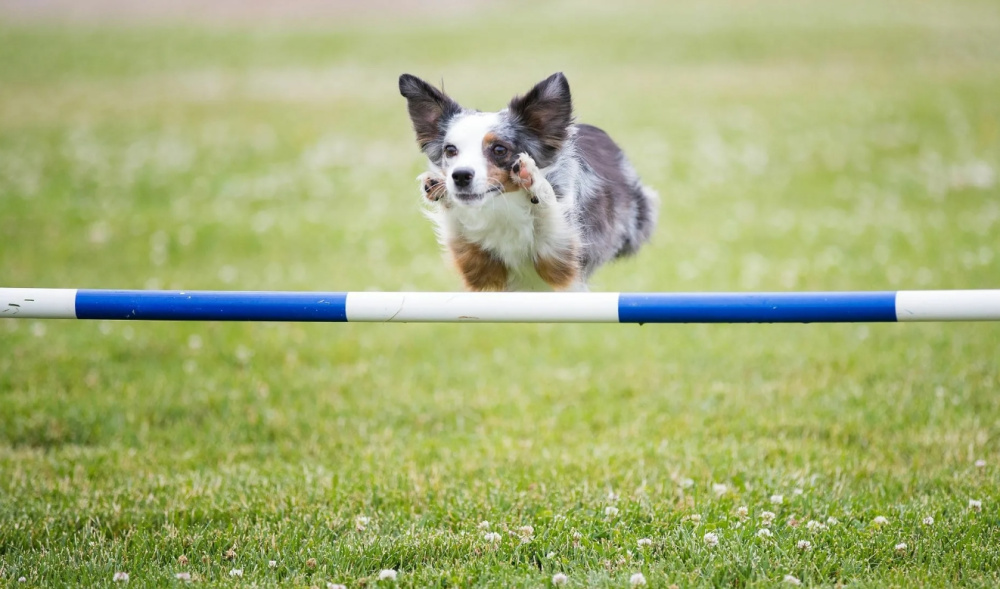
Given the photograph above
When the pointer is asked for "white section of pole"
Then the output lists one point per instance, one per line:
(948, 305)
(492, 307)
(38, 303)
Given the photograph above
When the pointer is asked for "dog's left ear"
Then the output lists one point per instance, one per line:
(546, 111)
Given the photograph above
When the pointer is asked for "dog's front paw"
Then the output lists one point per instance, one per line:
(433, 186)
(525, 173)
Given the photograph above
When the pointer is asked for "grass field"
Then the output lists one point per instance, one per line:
(797, 146)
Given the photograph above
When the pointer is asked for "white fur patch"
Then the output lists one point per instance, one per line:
(466, 133)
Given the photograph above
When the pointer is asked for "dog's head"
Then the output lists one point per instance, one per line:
(475, 150)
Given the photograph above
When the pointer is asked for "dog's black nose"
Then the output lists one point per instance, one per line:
(463, 177)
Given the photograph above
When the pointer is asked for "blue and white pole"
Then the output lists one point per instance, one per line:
(516, 307)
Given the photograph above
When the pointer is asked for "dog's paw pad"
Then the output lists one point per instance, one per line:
(524, 170)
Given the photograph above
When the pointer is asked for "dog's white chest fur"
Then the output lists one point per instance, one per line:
(506, 227)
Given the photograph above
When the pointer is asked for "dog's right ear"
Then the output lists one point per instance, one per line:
(428, 106)
(547, 112)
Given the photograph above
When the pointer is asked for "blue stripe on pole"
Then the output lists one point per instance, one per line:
(211, 305)
(805, 307)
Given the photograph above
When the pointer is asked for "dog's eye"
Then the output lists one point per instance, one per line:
(499, 150)
(450, 150)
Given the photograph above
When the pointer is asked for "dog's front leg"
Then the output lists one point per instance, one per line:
(557, 247)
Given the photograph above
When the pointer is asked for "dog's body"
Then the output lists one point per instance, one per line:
(526, 199)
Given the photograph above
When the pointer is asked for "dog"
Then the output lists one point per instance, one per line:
(525, 198)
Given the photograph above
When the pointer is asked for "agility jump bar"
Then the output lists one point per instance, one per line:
(514, 307)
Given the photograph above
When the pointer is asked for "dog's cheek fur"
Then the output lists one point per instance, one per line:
(501, 177)
(480, 270)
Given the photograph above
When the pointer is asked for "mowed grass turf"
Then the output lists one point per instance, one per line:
(797, 146)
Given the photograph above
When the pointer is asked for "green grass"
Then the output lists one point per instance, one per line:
(796, 145)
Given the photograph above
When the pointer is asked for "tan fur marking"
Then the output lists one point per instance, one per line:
(480, 270)
(559, 272)
(500, 176)
(497, 176)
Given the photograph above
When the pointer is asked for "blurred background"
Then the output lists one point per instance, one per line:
(264, 145)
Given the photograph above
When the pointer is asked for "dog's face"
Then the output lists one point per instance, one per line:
(475, 150)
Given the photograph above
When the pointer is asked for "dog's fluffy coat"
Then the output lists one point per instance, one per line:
(525, 199)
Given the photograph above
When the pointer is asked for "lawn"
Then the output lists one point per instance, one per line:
(796, 145)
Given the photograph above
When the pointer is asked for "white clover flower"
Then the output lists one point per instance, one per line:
(612, 496)
(720, 489)
(980, 463)
(797, 491)
(928, 521)
(767, 517)
(387, 575)
(695, 517)
(815, 526)
(120, 577)
(577, 536)
(492, 537)
(236, 573)
(975, 505)
(645, 542)
(879, 521)
(22, 579)
(712, 539)
(484, 525)
(637, 579)
(792, 580)
(361, 522)
(183, 576)
(526, 533)
(272, 563)
(804, 545)
(832, 521)
(686, 483)
(901, 548)
(611, 511)
(777, 499)
(763, 533)
(559, 579)
(550, 555)
(335, 586)
(742, 511)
